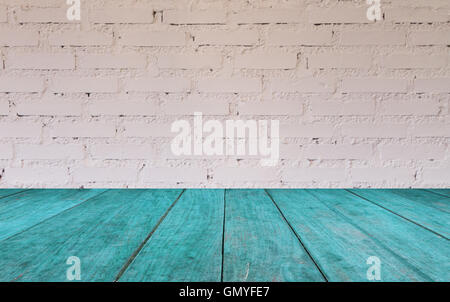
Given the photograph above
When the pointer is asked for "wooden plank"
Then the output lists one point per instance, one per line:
(444, 192)
(342, 231)
(187, 246)
(259, 244)
(20, 211)
(429, 210)
(8, 192)
(102, 232)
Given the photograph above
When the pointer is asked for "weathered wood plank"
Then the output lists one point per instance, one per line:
(21, 211)
(444, 192)
(7, 192)
(342, 231)
(259, 244)
(187, 246)
(102, 232)
(429, 210)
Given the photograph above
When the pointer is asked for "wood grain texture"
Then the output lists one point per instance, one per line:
(342, 230)
(8, 192)
(259, 244)
(23, 210)
(103, 232)
(187, 246)
(444, 192)
(430, 210)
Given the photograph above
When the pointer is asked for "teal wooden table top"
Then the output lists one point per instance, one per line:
(225, 235)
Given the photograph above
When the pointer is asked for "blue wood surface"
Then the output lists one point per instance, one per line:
(8, 192)
(102, 232)
(273, 235)
(426, 209)
(187, 246)
(444, 192)
(21, 211)
(259, 245)
(342, 231)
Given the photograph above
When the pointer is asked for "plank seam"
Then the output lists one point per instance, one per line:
(429, 191)
(298, 237)
(403, 217)
(12, 194)
(53, 216)
(223, 234)
(143, 243)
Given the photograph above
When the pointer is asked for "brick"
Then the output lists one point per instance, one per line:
(164, 85)
(84, 85)
(374, 130)
(307, 130)
(111, 15)
(3, 14)
(344, 152)
(192, 106)
(340, 60)
(104, 174)
(244, 174)
(121, 151)
(302, 38)
(412, 151)
(195, 17)
(267, 15)
(374, 85)
(338, 108)
(362, 37)
(82, 129)
(139, 129)
(190, 61)
(4, 108)
(304, 85)
(122, 108)
(313, 174)
(174, 175)
(437, 85)
(410, 107)
(43, 15)
(431, 130)
(267, 60)
(40, 61)
(112, 61)
(230, 85)
(36, 175)
(50, 108)
(408, 61)
(21, 84)
(428, 38)
(20, 129)
(49, 152)
(372, 174)
(338, 14)
(18, 37)
(152, 38)
(271, 108)
(416, 15)
(436, 176)
(241, 37)
(6, 151)
(80, 38)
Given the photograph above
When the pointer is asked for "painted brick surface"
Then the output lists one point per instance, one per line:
(90, 103)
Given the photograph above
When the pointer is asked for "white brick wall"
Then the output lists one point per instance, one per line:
(90, 103)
